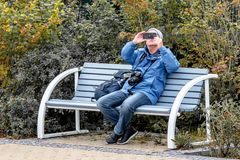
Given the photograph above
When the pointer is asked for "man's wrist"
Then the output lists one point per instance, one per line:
(133, 44)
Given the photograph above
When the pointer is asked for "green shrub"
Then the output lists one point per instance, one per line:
(227, 85)
(225, 128)
(22, 116)
(30, 74)
(25, 24)
(183, 140)
(144, 15)
(209, 34)
(96, 32)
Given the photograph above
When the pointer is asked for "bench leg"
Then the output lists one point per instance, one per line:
(207, 106)
(77, 120)
(207, 102)
(77, 123)
(171, 132)
(41, 121)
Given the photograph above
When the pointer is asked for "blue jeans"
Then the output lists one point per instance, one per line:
(128, 105)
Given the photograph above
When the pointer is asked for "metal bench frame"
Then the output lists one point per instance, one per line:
(172, 116)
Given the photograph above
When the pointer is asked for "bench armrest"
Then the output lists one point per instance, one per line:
(186, 88)
(177, 102)
(55, 82)
(47, 94)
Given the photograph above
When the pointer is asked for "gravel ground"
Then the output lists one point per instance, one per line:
(162, 154)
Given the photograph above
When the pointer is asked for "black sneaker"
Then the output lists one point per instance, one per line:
(113, 138)
(128, 135)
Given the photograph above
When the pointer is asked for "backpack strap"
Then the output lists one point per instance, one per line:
(142, 57)
(129, 90)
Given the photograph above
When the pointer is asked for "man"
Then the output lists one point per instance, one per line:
(152, 64)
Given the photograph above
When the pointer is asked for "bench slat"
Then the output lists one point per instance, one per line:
(91, 88)
(95, 77)
(170, 87)
(90, 82)
(158, 104)
(185, 100)
(92, 105)
(126, 66)
(183, 107)
(86, 88)
(175, 75)
(82, 99)
(182, 76)
(108, 77)
(199, 71)
(188, 95)
(107, 66)
(181, 82)
(168, 82)
(169, 100)
(83, 105)
(165, 94)
(163, 100)
(99, 71)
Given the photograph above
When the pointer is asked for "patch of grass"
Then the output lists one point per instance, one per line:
(198, 135)
(183, 140)
(146, 137)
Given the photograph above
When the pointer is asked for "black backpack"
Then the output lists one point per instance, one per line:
(112, 85)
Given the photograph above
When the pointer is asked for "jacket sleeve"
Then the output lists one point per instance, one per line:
(129, 52)
(169, 60)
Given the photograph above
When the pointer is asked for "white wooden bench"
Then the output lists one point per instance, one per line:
(182, 94)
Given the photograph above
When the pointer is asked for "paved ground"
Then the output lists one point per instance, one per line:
(88, 147)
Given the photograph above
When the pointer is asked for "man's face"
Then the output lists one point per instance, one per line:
(153, 42)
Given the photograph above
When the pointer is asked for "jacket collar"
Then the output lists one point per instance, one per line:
(151, 56)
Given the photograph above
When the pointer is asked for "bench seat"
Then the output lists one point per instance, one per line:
(158, 109)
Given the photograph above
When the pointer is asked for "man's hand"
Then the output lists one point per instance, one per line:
(139, 38)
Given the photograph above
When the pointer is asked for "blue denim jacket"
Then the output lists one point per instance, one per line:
(153, 83)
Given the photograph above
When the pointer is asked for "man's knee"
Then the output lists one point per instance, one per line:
(101, 103)
(104, 103)
(127, 107)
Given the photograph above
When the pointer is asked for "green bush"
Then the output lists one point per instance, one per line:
(209, 34)
(144, 15)
(30, 77)
(30, 74)
(183, 141)
(97, 32)
(22, 116)
(25, 24)
(225, 128)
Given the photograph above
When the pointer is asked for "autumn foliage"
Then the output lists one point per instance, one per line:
(27, 23)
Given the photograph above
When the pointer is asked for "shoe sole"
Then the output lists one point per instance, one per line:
(128, 139)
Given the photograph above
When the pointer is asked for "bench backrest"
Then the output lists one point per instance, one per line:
(94, 74)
